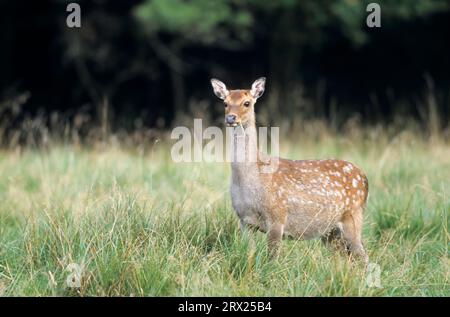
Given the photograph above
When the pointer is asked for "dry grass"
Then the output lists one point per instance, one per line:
(140, 224)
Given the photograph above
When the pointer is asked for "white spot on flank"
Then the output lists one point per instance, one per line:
(355, 183)
(292, 200)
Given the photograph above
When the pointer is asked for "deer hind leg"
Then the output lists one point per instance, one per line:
(335, 239)
(352, 223)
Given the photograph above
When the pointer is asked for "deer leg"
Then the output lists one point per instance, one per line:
(335, 239)
(351, 231)
(246, 227)
(274, 236)
(242, 226)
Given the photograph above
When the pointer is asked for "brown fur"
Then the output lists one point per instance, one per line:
(300, 199)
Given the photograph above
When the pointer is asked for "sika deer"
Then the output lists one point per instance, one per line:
(301, 199)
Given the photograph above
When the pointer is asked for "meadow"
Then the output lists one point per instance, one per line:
(137, 224)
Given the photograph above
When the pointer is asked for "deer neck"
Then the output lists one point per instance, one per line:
(244, 149)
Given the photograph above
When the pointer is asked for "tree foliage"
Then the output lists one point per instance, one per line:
(151, 58)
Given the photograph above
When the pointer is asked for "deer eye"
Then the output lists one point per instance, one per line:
(247, 103)
(225, 104)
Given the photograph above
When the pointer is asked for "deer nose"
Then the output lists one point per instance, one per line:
(230, 119)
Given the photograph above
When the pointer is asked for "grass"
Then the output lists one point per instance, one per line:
(142, 225)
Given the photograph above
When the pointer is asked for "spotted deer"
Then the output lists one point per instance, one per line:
(302, 199)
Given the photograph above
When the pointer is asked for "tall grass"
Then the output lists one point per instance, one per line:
(140, 225)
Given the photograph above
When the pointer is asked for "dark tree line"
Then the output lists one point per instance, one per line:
(143, 62)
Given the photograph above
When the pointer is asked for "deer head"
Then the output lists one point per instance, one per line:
(239, 104)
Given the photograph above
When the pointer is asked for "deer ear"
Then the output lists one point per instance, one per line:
(220, 90)
(258, 87)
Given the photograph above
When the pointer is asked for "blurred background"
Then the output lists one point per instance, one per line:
(87, 175)
(146, 64)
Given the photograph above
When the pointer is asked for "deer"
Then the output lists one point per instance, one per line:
(300, 199)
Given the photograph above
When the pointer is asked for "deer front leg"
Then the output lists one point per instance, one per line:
(274, 237)
(242, 226)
